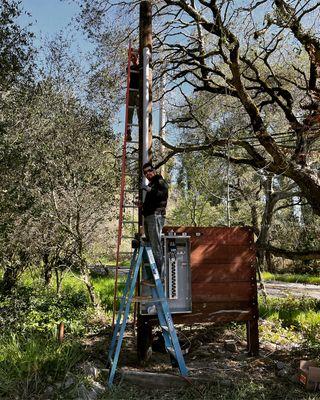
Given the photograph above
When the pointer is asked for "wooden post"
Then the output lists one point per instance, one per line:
(145, 91)
(144, 330)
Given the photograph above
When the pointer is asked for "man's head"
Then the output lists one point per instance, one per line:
(149, 171)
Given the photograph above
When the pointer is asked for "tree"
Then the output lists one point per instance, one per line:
(206, 50)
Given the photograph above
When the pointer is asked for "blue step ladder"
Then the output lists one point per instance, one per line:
(144, 252)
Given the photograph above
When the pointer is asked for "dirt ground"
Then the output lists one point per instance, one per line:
(217, 356)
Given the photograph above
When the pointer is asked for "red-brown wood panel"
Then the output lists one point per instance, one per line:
(237, 271)
(222, 291)
(214, 254)
(217, 312)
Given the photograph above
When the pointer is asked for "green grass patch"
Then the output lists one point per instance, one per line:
(104, 287)
(27, 363)
(292, 278)
(293, 319)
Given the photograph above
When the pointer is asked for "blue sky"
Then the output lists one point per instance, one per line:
(49, 17)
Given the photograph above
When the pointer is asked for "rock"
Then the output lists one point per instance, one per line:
(83, 392)
(92, 395)
(270, 347)
(280, 365)
(98, 387)
(230, 345)
(283, 373)
(69, 382)
(49, 390)
(226, 382)
(58, 385)
(90, 370)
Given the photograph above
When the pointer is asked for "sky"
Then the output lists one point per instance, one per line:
(49, 17)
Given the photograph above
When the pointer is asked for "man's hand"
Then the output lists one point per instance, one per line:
(146, 188)
(138, 203)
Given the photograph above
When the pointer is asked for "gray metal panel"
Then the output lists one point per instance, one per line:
(177, 279)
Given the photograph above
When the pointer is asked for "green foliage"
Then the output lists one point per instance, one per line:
(104, 286)
(292, 278)
(291, 318)
(27, 362)
(15, 45)
(31, 311)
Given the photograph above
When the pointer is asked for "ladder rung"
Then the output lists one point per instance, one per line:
(133, 107)
(138, 299)
(132, 142)
(133, 90)
(134, 71)
(129, 222)
(132, 158)
(133, 124)
(127, 237)
(127, 206)
(147, 283)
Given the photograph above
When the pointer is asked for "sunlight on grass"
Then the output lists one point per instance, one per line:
(290, 319)
(292, 278)
(27, 362)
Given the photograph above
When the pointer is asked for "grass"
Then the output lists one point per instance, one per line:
(28, 362)
(291, 278)
(268, 390)
(293, 319)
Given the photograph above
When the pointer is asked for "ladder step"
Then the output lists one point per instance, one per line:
(133, 107)
(148, 283)
(127, 237)
(162, 310)
(140, 299)
(133, 124)
(129, 206)
(133, 90)
(132, 158)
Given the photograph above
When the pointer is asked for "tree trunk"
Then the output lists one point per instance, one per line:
(264, 235)
(47, 269)
(10, 279)
(85, 274)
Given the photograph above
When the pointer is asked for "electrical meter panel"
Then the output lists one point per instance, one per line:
(176, 276)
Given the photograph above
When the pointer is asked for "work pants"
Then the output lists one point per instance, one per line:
(133, 105)
(153, 225)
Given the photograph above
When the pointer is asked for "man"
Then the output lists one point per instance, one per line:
(154, 211)
(133, 93)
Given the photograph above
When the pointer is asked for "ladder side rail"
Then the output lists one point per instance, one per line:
(122, 305)
(122, 187)
(162, 320)
(125, 317)
(166, 311)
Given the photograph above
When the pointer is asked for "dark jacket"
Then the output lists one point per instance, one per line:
(134, 76)
(156, 199)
